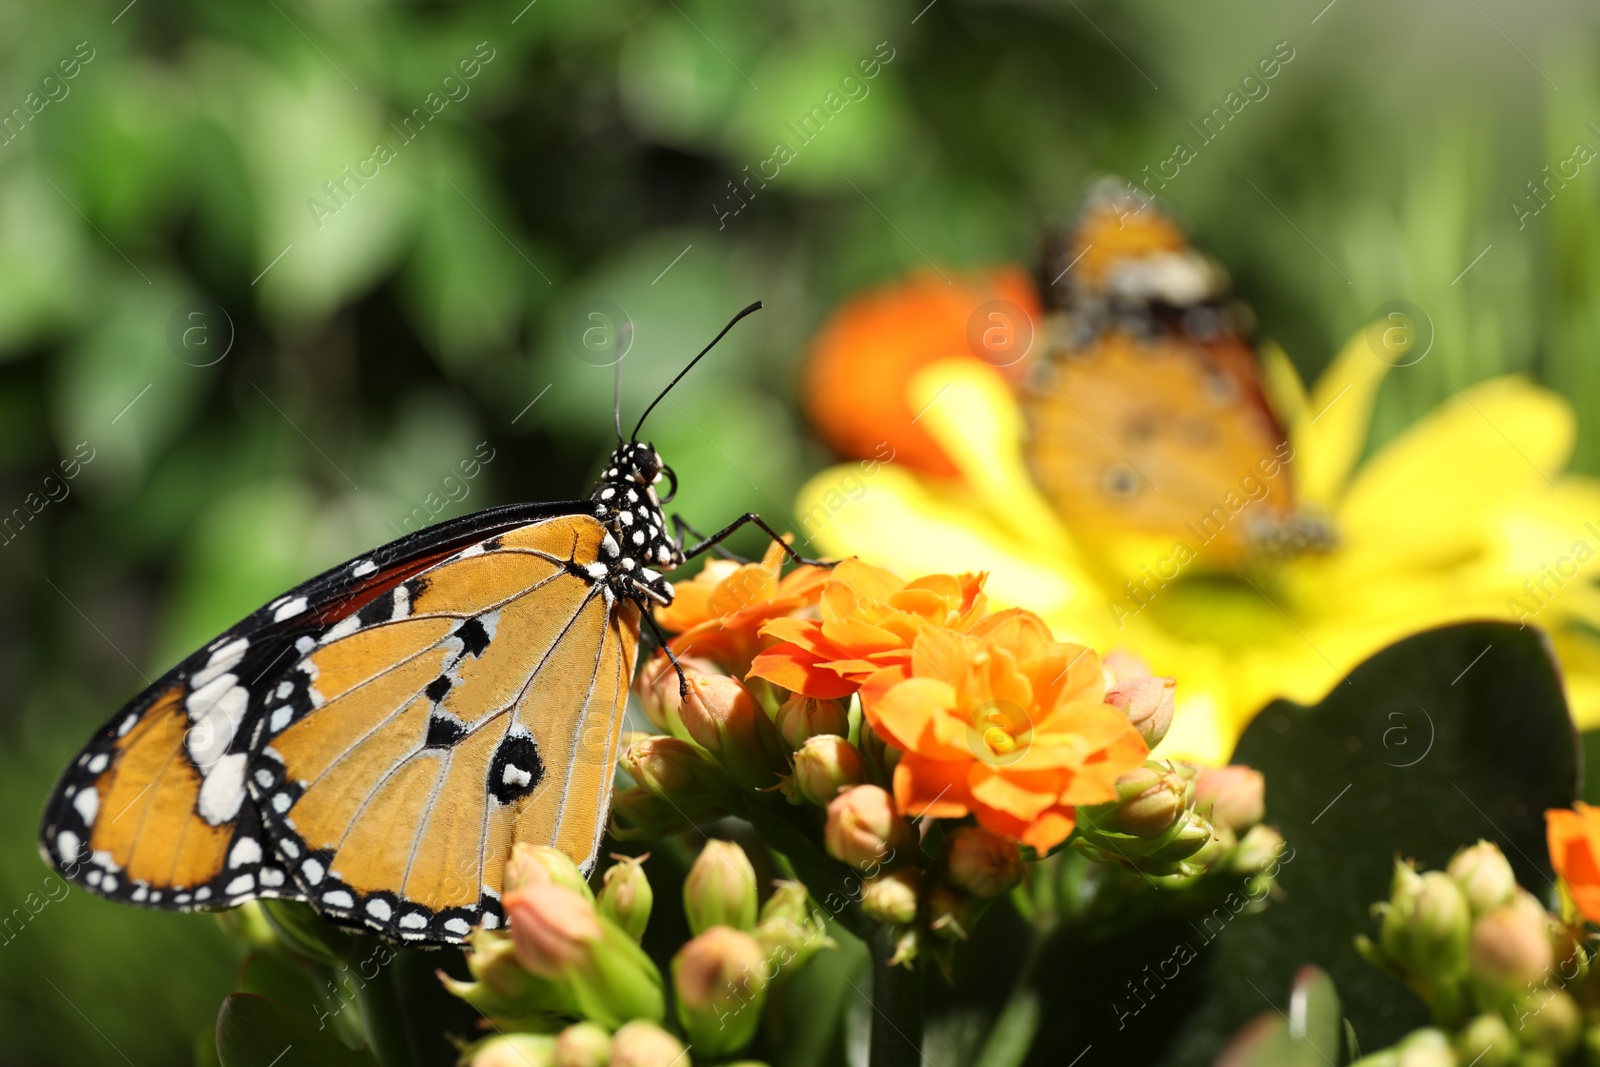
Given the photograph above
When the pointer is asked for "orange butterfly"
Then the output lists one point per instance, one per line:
(375, 740)
(1146, 412)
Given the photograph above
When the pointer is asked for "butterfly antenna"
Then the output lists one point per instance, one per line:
(731, 323)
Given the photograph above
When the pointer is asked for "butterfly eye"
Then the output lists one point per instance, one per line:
(1120, 482)
(673, 479)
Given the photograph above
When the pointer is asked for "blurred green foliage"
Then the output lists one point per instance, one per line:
(589, 159)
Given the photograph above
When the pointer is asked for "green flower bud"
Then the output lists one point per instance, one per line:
(723, 718)
(1425, 1048)
(1548, 1020)
(1231, 796)
(542, 865)
(864, 830)
(790, 930)
(824, 765)
(1487, 1042)
(1150, 800)
(501, 987)
(801, 718)
(561, 936)
(1257, 851)
(720, 889)
(1395, 914)
(679, 773)
(1510, 949)
(626, 897)
(979, 862)
(1439, 930)
(583, 1045)
(790, 902)
(638, 814)
(721, 981)
(644, 1044)
(1484, 876)
(512, 1050)
(891, 897)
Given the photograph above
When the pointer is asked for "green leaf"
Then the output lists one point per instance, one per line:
(255, 1031)
(1446, 737)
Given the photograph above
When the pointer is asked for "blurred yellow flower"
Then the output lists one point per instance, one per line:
(1464, 516)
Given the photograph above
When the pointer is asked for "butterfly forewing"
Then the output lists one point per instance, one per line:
(477, 704)
(166, 806)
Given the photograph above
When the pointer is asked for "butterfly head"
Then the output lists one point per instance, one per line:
(638, 545)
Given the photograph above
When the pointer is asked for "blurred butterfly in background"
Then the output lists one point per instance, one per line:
(374, 741)
(1145, 409)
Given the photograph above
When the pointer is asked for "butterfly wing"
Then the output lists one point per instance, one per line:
(474, 705)
(155, 810)
(1156, 435)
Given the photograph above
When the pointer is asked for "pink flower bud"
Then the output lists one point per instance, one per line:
(1233, 796)
(1148, 702)
(979, 862)
(803, 717)
(541, 865)
(1510, 945)
(552, 927)
(583, 1045)
(824, 765)
(644, 1044)
(678, 772)
(720, 977)
(864, 829)
(725, 720)
(1121, 665)
(658, 688)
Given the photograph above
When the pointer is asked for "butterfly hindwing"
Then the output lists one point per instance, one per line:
(479, 704)
(156, 809)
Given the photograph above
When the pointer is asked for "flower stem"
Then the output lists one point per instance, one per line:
(383, 1019)
(1013, 1032)
(896, 1039)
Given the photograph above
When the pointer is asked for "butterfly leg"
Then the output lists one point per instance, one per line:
(749, 517)
(661, 639)
(681, 527)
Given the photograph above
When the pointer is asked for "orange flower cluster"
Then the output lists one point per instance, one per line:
(991, 715)
(1574, 839)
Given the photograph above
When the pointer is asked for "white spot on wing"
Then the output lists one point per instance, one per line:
(290, 610)
(242, 884)
(380, 910)
(364, 567)
(67, 845)
(245, 851)
(88, 805)
(222, 792)
(338, 898)
(98, 764)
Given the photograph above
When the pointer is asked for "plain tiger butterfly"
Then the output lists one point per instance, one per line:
(374, 741)
(1147, 411)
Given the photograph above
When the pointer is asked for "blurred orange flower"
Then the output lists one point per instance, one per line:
(855, 380)
(1005, 723)
(870, 617)
(1574, 838)
(718, 614)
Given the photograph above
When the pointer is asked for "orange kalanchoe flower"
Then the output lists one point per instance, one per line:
(718, 614)
(1574, 838)
(855, 379)
(1004, 723)
(870, 617)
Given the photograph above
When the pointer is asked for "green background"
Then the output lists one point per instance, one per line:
(586, 161)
